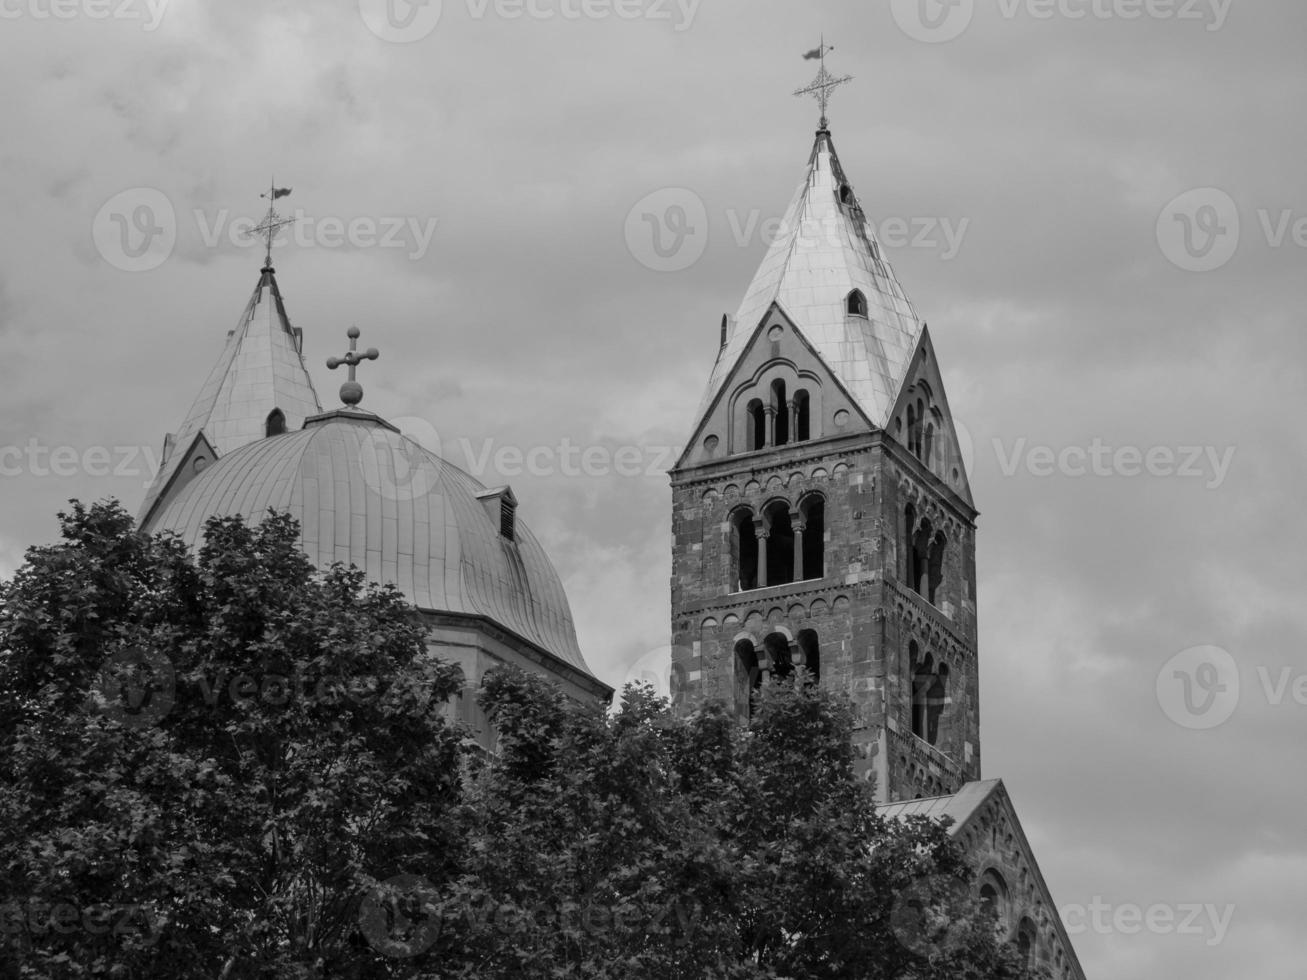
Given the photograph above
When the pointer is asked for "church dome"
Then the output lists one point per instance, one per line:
(366, 495)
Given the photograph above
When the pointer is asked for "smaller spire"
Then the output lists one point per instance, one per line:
(351, 392)
(825, 83)
(272, 222)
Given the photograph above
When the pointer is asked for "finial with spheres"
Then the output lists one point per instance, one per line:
(351, 392)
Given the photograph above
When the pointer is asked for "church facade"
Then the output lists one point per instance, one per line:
(822, 518)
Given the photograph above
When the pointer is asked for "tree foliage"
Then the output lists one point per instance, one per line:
(229, 766)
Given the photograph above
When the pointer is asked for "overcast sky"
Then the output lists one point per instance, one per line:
(1098, 206)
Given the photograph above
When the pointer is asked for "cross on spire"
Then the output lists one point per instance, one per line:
(351, 392)
(825, 83)
(272, 222)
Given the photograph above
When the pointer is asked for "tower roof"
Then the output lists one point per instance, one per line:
(261, 368)
(825, 250)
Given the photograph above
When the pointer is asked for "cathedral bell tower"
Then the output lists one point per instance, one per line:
(821, 513)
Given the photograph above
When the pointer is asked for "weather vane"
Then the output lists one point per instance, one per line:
(825, 83)
(351, 392)
(272, 222)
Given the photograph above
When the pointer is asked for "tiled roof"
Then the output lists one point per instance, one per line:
(826, 248)
(260, 369)
(960, 805)
(366, 495)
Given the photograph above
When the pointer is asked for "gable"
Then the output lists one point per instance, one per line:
(181, 467)
(778, 366)
(922, 422)
(1005, 864)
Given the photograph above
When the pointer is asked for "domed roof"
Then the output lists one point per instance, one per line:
(367, 495)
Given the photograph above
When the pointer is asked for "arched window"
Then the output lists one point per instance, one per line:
(780, 544)
(935, 569)
(1027, 938)
(909, 529)
(780, 661)
(810, 654)
(757, 436)
(921, 680)
(813, 508)
(782, 412)
(857, 303)
(846, 194)
(748, 677)
(937, 699)
(913, 429)
(744, 551)
(802, 419)
(993, 896)
(275, 424)
(919, 580)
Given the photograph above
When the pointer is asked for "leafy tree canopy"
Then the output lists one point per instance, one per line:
(231, 766)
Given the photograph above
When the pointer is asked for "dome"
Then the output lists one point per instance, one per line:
(366, 495)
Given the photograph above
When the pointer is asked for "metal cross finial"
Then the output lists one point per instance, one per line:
(825, 83)
(272, 222)
(351, 392)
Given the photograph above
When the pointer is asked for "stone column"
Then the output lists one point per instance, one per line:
(762, 554)
(770, 411)
(797, 524)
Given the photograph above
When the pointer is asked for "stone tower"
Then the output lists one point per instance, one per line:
(821, 511)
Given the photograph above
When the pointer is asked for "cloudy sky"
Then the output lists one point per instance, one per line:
(1098, 205)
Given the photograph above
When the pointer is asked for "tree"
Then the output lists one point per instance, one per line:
(640, 845)
(232, 766)
(206, 762)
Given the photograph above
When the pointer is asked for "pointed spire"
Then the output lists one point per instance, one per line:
(261, 370)
(825, 254)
